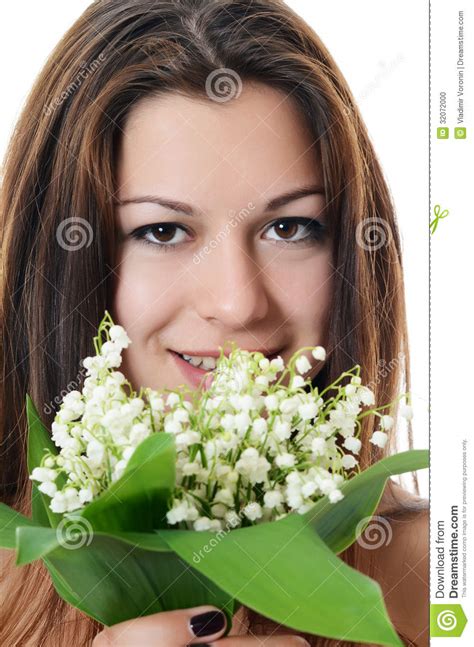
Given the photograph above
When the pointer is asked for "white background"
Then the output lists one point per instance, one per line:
(382, 52)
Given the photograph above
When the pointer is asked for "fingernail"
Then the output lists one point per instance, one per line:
(208, 623)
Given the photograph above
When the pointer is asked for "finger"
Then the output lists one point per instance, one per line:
(169, 628)
(269, 641)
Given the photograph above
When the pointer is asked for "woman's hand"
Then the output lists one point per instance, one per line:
(196, 626)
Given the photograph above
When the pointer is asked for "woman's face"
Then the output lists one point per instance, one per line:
(213, 245)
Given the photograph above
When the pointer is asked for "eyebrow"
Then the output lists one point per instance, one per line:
(182, 207)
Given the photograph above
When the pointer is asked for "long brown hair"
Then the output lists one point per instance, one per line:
(60, 166)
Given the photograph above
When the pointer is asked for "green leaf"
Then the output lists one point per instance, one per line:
(36, 542)
(9, 521)
(113, 580)
(138, 500)
(284, 571)
(337, 523)
(39, 441)
(33, 542)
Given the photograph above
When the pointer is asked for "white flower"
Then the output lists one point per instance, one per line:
(72, 500)
(327, 485)
(242, 422)
(48, 487)
(232, 518)
(348, 461)
(119, 336)
(302, 364)
(386, 422)
(272, 498)
(277, 364)
(295, 500)
(43, 474)
(297, 382)
(253, 511)
(319, 353)
(309, 488)
(95, 451)
(85, 494)
(285, 460)
(350, 389)
(270, 449)
(252, 465)
(260, 426)
(352, 444)
(181, 511)
(366, 395)
(271, 402)
(172, 399)
(262, 381)
(203, 523)
(281, 429)
(318, 446)
(289, 405)
(264, 363)
(119, 469)
(138, 433)
(308, 411)
(406, 411)
(219, 510)
(379, 438)
(58, 502)
(335, 496)
(172, 426)
(181, 415)
(191, 468)
(127, 452)
(187, 438)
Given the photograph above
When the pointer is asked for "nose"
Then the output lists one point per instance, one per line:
(230, 287)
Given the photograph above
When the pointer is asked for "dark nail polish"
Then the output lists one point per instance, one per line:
(208, 623)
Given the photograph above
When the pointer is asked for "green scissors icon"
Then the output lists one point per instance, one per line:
(438, 215)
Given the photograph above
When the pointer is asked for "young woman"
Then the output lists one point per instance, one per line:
(200, 169)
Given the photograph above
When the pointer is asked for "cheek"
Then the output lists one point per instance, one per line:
(145, 297)
(304, 288)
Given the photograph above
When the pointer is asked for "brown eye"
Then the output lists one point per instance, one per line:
(286, 229)
(163, 232)
(297, 231)
(161, 235)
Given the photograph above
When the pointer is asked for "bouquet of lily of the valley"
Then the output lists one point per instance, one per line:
(241, 493)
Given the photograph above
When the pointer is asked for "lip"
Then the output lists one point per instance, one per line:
(196, 376)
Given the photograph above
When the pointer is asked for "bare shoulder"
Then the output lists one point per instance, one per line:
(402, 570)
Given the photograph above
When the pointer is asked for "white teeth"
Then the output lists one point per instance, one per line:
(209, 363)
(206, 363)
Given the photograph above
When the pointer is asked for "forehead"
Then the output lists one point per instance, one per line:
(188, 145)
